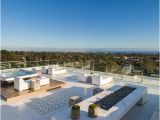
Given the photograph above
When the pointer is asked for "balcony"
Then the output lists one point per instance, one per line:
(39, 107)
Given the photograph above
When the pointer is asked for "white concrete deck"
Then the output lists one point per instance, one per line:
(18, 110)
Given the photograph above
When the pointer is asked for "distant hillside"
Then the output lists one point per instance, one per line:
(114, 62)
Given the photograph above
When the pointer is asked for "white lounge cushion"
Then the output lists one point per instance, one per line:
(45, 69)
(34, 70)
(43, 81)
(101, 80)
(82, 76)
(42, 77)
(53, 71)
(28, 76)
(21, 84)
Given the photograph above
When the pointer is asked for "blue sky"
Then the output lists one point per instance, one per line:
(80, 24)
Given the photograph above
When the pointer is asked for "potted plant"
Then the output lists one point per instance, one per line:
(75, 112)
(92, 111)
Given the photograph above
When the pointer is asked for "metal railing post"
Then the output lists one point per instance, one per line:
(9, 65)
(82, 65)
(93, 66)
(24, 64)
(106, 70)
(122, 74)
(72, 66)
(142, 77)
(63, 64)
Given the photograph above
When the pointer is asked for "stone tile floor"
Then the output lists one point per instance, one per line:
(18, 110)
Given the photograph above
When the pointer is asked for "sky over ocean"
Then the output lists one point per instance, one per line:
(128, 24)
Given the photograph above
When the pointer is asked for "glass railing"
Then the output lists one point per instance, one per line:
(141, 79)
(126, 72)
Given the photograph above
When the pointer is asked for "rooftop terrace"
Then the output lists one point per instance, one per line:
(44, 106)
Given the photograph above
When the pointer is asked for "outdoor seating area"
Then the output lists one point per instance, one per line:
(93, 78)
(86, 93)
(9, 75)
(24, 82)
(80, 60)
(27, 83)
(9, 93)
(24, 78)
(101, 80)
(53, 71)
(114, 112)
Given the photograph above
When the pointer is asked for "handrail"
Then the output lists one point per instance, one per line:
(140, 79)
(9, 61)
(8, 65)
(28, 61)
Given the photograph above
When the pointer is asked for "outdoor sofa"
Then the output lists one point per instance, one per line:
(24, 82)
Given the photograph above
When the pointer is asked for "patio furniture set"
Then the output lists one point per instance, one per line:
(93, 78)
(52, 70)
(109, 104)
(33, 81)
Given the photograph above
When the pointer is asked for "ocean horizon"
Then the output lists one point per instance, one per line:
(88, 50)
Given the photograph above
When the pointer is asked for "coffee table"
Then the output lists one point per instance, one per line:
(35, 85)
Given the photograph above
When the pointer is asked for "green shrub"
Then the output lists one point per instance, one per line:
(93, 106)
(75, 107)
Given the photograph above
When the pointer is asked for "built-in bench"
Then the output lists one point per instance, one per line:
(116, 112)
